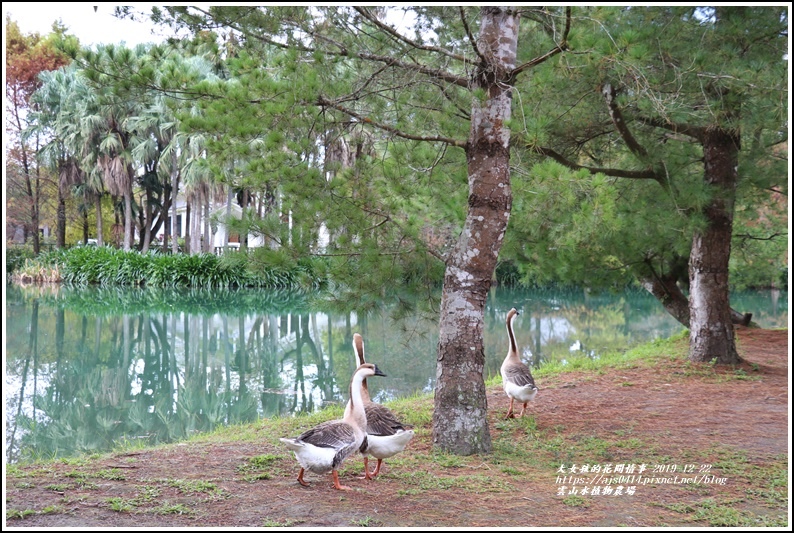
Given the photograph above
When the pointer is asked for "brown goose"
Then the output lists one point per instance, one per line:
(516, 378)
(386, 436)
(323, 448)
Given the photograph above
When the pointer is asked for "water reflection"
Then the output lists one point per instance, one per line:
(88, 368)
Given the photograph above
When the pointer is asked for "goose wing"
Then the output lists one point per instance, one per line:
(381, 421)
(519, 374)
(331, 434)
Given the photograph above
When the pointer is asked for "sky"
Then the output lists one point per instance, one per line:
(91, 27)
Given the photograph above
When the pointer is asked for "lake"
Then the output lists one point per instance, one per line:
(88, 369)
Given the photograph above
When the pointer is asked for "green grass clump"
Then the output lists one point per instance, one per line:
(108, 266)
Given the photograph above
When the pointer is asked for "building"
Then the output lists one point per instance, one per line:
(218, 236)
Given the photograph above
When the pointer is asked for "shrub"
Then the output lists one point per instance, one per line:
(16, 256)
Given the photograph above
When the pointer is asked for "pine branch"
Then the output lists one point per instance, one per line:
(472, 40)
(747, 236)
(364, 12)
(344, 52)
(325, 103)
(647, 174)
(561, 47)
(609, 92)
(387, 218)
(696, 132)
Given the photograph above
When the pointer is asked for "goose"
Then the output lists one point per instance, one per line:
(516, 378)
(386, 436)
(323, 448)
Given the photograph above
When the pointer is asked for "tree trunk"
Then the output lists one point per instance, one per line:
(244, 235)
(174, 194)
(85, 226)
(164, 213)
(195, 231)
(146, 227)
(460, 423)
(60, 231)
(672, 299)
(229, 197)
(188, 221)
(100, 240)
(128, 216)
(676, 303)
(207, 233)
(711, 334)
(33, 190)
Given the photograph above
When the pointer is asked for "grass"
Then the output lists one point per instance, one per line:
(152, 492)
(574, 500)
(724, 514)
(120, 505)
(19, 513)
(59, 487)
(259, 468)
(108, 266)
(642, 356)
(173, 508)
(367, 521)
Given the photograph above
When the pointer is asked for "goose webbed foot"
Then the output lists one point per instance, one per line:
(337, 484)
(377, 469)
(366, 475)
(300, 478)
(510, 410)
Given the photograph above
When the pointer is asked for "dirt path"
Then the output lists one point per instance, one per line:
(730, 424)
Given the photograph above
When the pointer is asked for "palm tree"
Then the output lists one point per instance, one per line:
(57, 103)
(105, 120)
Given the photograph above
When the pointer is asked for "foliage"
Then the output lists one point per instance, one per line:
(107, 266)
(26, 184)
(248, 107)
(608, 203)
(760, 240)
(16, 257)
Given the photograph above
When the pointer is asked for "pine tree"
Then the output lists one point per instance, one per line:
(673, 114)
(436, 102)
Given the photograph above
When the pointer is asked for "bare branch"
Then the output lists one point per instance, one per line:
(462, 81)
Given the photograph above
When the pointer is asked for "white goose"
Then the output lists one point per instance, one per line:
(323, 448)
(386, 436)
(516, 378)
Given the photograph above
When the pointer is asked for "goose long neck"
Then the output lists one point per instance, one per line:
(356, 406)
(358, 345)
(513, 349)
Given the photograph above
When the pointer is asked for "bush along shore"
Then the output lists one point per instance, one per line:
(106, 266)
